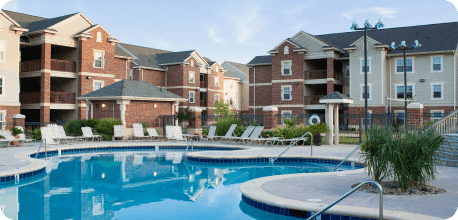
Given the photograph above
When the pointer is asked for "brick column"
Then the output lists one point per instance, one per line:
(45, 86)
(19, 120)
(196, 127)
(415, 111)
(83, 82)
(270, 119)
(330, 75)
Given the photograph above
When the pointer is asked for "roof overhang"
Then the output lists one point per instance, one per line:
(259, 64)
(336, 101)
(148, 68)
(421, 53)
(131, 98)
(49, 31)
(333, 49)
(362, 38)
(124, 57)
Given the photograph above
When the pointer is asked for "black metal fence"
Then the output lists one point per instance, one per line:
(209, 120)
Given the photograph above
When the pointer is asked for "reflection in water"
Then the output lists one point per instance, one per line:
(137, 185)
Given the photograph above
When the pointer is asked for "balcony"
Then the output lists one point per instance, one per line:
(56, 65)
(313, 99)
(55, 97)
(321, 74)
(203, 103)
(203, 84)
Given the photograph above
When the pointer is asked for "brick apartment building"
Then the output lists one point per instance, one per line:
(305, 67)
(66, 57)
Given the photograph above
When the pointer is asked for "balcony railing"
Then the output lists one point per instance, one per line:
(321, 74)
(312, 99)
(56, 65)
(203, 103)
(55, 97)
(203, 84)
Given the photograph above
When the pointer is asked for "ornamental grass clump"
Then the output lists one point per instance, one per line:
(409, 158)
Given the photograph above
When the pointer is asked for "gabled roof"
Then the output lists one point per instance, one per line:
(336, 97)
(174, 57)
(258, 60)
(44, 24)
(207, 59)
(229, 74)
(131, 88)
(145, 56)
(241, 67)
(120, 52)
(23, 19)
(210, 63)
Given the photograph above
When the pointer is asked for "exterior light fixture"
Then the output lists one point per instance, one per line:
(88, 77)
(155, 106)
(103, 105)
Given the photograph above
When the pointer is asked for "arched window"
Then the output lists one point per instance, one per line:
(99, 37)
(286, 50)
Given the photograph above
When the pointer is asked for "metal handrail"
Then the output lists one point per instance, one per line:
(380, 189)
(39, 148)
(347, 157)
(311, 137)
(192, 147)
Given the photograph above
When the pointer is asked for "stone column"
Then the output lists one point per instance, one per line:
(45, 86)
(270, 119)
(330, 76)
(336, 124)
(196, 127)
(329, 122)
(415, 111)
(19, 120)
(122, 106)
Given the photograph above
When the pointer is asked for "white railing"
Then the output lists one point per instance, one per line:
(446, 125)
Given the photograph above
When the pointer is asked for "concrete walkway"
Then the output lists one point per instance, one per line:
(293, 190)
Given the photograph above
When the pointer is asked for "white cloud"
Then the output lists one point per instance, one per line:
(10, 5)
(385, 12)
(247, 22)
(213, 34)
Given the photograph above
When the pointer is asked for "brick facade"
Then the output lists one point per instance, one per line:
(9, 112)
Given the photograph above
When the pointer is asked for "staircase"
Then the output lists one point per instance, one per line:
(447, 127)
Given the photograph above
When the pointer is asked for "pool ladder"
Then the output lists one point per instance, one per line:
(39, 148)
(190, 142)
(380, 189)
(347, 157)
(272, 160)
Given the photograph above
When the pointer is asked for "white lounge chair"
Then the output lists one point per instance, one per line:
(25, 139)
(229, 133)
(118, 132)
(87, 134)
(55, 136)
(244, 135)
(64, 135)
(152, 133)
(138, 132)
(211, 134)
(178, 133)
(8, 137)
(46, 134)
(255, 135)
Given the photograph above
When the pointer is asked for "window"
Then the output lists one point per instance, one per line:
(400, 117)
(192, 62)
(191, 96)
(368, 65)
(286, 115)
(98, 59)
(436, 64)
(369, 87)
(98, 84)
(436, 91)
(400, 92)
(369, 116)
(192, 75)
(216, 68)
(437, 114)
(216, 97)
(216, 81)
(1, 86)
(286, 92)
(99, 37)
(2, 50)
(286, 67)
(286, 50)
(131, 74)
(2, 120)
(400, 65)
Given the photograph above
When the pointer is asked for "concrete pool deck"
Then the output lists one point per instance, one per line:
(293, 190)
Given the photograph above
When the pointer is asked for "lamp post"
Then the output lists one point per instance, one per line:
(367, 26)
(403, 47)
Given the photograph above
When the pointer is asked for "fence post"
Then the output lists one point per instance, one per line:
(19, 120)
(196, 127)
(360, 131)
(269, 117)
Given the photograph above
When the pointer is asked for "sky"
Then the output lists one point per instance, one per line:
(234, 30)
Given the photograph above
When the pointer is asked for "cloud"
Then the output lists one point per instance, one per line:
(247, 22)
(385, 12)
(213, 34)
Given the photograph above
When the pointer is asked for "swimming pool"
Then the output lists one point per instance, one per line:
(144, 185)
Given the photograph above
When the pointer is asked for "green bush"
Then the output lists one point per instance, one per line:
(264, 133)
(74, 127)
(410, 158)
(291, 132)
(106, 127)
(223, 125)
(205, 130)
(36, 134)
(239, 130)
(15, 131)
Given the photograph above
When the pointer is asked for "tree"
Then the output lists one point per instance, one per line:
(222, 109)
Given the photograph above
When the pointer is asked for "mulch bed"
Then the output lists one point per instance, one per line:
(393, 188)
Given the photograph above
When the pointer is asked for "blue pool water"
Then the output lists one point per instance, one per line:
(136, 185)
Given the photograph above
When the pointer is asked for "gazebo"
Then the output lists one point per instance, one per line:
(332, 102)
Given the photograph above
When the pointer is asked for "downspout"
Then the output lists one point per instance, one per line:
(454, 80)
(254, 90)
(126, 67)
(142, 74)
(390, 84)
(166, 70)
(87, 115)
(113, 108)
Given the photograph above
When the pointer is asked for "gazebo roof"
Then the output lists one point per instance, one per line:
(336, 97)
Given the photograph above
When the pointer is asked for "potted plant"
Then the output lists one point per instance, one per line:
(317, 130)
(15, 132)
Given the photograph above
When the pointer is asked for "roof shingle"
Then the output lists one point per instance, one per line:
(267, 59)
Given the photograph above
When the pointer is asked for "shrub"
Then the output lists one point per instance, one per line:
(36, 134)
(223, 125)
(290, 123)
(264, 133)
(15, 131)
(291, 132)
(239, 130)
(106, 127)
(74, 127)
(205, 131)
(410, 158)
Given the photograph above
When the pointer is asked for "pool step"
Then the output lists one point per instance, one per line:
(449, 150)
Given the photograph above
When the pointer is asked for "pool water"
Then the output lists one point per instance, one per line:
(135, 185)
